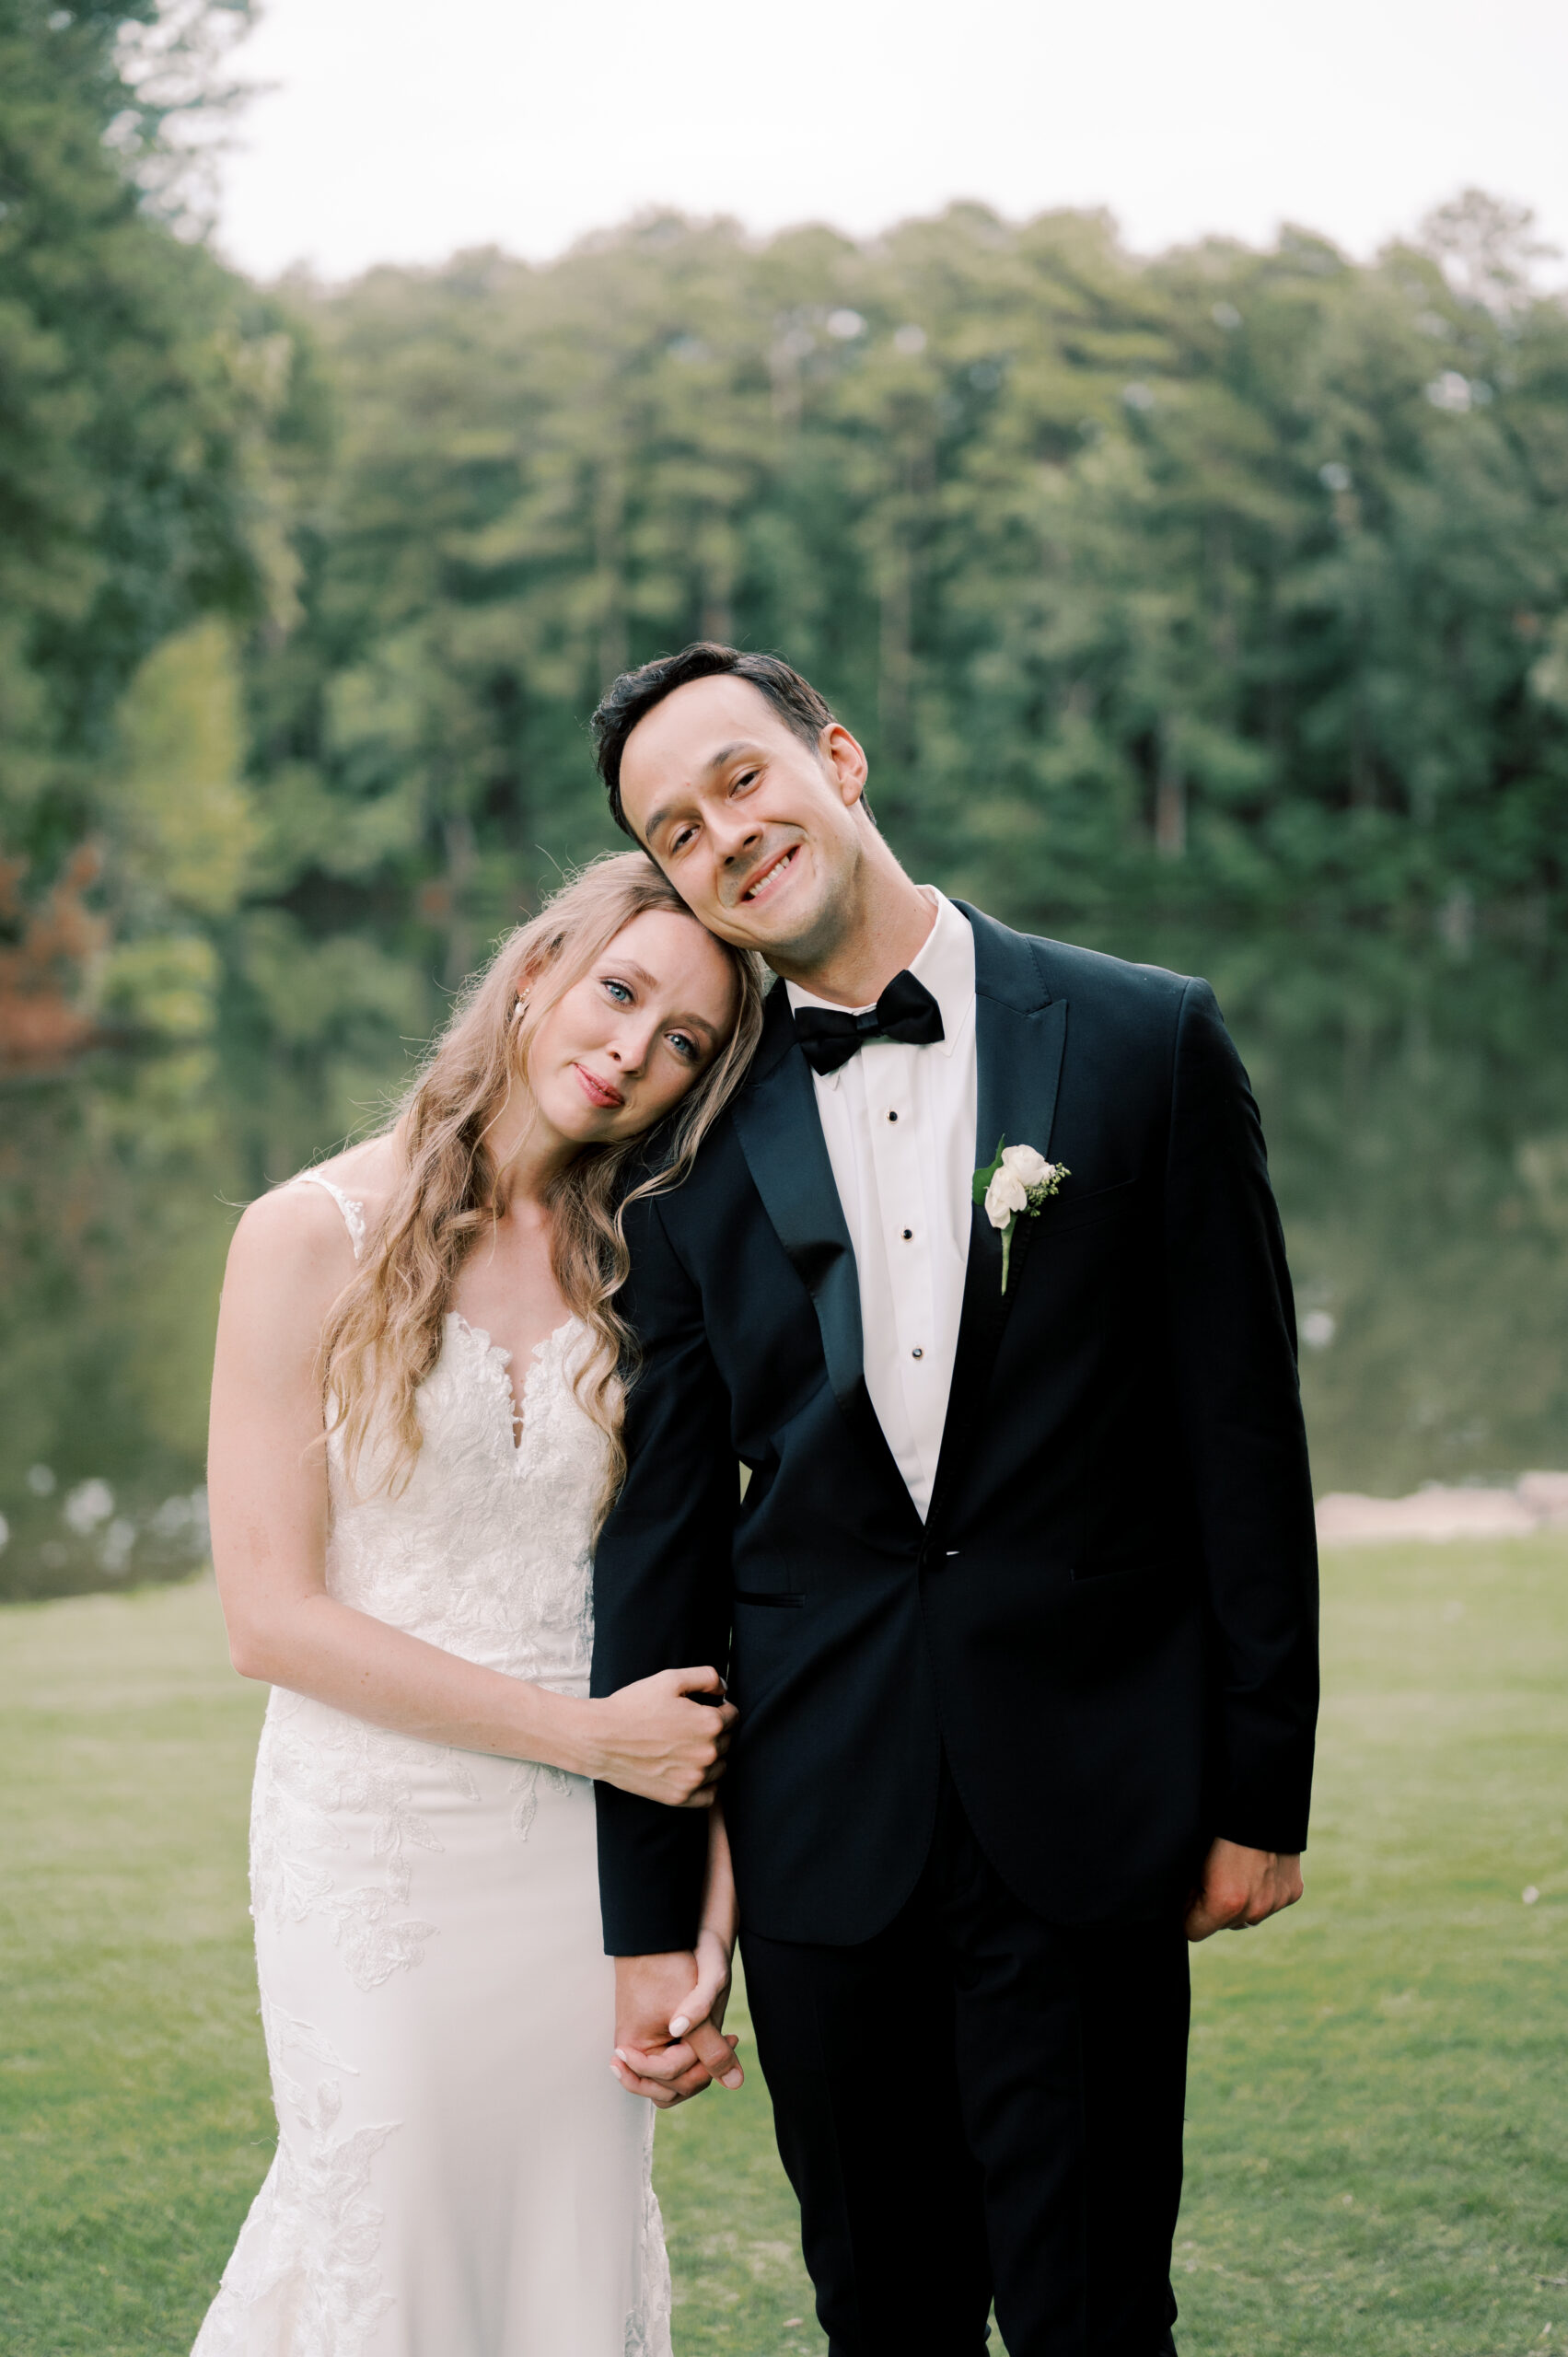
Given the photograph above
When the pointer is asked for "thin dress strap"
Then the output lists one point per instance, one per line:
(352, 1210)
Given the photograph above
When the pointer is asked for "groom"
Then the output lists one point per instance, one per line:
(1019, 1602)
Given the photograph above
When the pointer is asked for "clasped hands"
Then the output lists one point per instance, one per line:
(670, 2041)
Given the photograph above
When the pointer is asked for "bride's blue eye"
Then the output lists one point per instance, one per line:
(684, 1046)
(625, 997)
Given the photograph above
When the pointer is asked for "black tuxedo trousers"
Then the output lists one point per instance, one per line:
(978, 2106)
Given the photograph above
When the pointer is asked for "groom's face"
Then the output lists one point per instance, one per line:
(760, 833)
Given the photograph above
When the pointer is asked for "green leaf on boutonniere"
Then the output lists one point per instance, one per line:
(982, 1179)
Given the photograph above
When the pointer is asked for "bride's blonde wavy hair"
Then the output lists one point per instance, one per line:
(383, 1334)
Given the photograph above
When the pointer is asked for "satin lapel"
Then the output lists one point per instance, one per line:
(776, 1121)
(1020, 1036)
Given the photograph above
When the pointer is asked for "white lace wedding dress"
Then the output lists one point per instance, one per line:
(458, 2173)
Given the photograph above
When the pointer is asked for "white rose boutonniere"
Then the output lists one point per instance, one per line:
(1019, 1181)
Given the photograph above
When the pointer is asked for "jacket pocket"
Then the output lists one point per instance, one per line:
(1083, 1211)
(780, 1603)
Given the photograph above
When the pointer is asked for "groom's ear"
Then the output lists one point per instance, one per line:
(844, 758)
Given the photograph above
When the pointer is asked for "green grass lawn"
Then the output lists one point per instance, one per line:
(1378, 2147)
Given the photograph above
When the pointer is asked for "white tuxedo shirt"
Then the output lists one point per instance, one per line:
(899, 1126)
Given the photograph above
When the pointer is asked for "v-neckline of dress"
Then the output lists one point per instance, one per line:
(501, 1357)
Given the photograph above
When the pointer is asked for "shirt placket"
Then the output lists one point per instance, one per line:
(893, 1111)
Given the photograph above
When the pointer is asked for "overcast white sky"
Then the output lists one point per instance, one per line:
(403, 129)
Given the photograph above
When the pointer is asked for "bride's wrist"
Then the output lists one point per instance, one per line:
(569, 1725)
(589, 1737)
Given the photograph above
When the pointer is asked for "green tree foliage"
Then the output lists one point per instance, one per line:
(149, 405)
(182, 815)
(1231, 577)
(1228, 579)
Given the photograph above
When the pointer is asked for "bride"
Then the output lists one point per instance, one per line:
(415, 1434)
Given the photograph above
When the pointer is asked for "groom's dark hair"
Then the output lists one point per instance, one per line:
(633, 695)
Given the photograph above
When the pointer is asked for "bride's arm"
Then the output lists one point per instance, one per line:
(268, 1486)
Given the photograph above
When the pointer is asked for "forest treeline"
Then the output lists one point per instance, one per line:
(1226, 579)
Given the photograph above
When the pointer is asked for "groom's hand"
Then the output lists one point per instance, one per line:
(1242, 1887)
(651, 1991)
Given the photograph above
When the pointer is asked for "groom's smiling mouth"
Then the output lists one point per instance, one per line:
(769, 876)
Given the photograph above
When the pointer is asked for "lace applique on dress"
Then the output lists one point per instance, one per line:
(527, 1777)
(487, 1549)
(314, 1763)
(305, 2272)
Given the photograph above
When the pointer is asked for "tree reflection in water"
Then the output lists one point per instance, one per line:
(1416, 1101)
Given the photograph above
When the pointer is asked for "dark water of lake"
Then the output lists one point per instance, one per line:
(1416, 1103)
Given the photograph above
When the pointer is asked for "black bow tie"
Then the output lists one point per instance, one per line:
(905, 1011)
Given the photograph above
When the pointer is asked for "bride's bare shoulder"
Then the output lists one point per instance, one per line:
(365, 1173)
(309, 1228)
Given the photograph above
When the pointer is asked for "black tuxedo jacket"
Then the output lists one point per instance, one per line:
(1108, 1620)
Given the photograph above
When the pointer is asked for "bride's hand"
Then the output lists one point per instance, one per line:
(651, 1739)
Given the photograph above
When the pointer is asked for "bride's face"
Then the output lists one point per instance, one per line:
(626, 1043)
